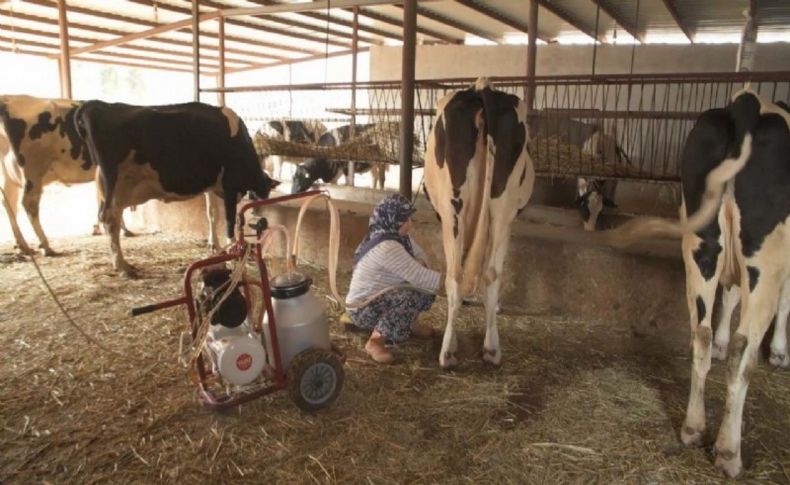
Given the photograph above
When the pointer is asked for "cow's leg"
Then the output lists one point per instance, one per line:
(212, 211)
(729, 300)
(113, 228)
(453, 248)
(492, 352)
(30, 201)
(124, 229)
(11, 202)
(701, 282)
(758, 307)
(779, 357)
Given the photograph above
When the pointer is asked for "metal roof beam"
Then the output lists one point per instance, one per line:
(141, 35)
(567, 18)
(399, 23)
(329, 18)
(139, 48)
(499, 17)
(673, 10)
(428, 14)
(626, 25)
(293, 61)
(56, 52)
(264, 28)
(105, 30)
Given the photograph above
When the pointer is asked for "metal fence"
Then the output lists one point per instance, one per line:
(611, 126)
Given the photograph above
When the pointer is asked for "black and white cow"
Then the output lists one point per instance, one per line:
(735, 211)
(478, 176)
(170, 153)
(39, 145)
(329, 171)
(592, 194)
(307, 132)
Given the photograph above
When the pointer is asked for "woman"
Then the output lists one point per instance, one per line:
(389, 257)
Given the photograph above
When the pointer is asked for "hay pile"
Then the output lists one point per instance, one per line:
(552, 155)
(575, 401)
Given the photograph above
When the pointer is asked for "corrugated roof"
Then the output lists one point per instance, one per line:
(32, 26)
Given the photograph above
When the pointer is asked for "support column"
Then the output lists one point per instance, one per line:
(354, 51)
(65, 57)
(196, 48)
(221, 74)
(407, 96)
(532, 52)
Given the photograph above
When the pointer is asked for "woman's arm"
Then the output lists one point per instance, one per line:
(398, 261)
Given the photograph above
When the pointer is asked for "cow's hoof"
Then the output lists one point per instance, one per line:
(691, 436)
(719, 351)
(129, 271)
(96, 230)
(778, 359)
(729, 462)
(493, 357)
(25, 250)
(47, 251)
(128, 233)
(448, 360)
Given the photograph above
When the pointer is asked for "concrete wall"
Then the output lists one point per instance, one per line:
(442, 61)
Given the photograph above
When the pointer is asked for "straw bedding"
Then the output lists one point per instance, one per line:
(574, 401)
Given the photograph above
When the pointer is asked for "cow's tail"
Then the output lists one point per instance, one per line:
(474, 258)
(645, 227)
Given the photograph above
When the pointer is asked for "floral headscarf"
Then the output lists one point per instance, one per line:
(385, 222)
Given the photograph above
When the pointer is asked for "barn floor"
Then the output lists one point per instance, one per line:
(574, 401)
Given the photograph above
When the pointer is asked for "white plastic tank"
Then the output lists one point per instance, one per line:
(300, 317)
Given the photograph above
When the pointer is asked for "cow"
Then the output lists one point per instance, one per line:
(307, 132)
(171, 152)
(478, 176)
(735, 177)
(39, 145)
(329, 171)
(592, 139)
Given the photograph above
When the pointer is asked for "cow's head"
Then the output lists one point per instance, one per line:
(303, 179)
(591, 201)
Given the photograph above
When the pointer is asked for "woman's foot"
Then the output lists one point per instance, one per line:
(376, 349)
(422, 330)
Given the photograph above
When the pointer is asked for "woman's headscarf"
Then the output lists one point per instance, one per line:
(385, 222)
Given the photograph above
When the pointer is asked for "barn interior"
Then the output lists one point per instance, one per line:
(595, 379)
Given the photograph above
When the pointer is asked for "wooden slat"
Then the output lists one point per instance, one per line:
(295, 61)
(64, 61)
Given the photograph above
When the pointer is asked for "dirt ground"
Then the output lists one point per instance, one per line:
(575, 401)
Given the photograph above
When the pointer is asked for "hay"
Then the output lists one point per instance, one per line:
(378, 144)
(575, 401)
(553, 156)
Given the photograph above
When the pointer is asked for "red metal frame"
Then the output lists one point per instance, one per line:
(235, 252)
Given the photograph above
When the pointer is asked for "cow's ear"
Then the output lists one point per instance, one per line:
(607, 202)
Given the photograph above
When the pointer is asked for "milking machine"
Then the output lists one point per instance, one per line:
(251, 335)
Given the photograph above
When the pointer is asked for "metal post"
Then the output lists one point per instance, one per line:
(532, 51)
(65, 58)
(196, 48)
(221, 74)
(595, 39)
(353, 128)
(407, 96)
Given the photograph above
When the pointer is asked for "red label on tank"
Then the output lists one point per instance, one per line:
(244, 362)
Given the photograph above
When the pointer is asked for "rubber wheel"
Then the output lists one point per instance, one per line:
(315, 379)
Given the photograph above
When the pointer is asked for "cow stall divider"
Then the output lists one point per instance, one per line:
(619, 126)
(253, 334)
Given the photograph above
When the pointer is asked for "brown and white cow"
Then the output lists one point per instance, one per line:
(172, 152)
(478, 176)
(734, 219)
(39, 145)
